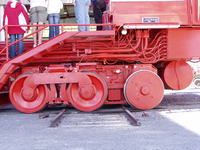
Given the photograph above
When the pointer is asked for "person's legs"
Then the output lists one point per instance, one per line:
(97, 15)
(80, 13)
(34, 20)
(56, 21)
(51, 28)
(87, 17)
(34, 35)
(20, 44)
(42, 17)
(12, 49)
(40, 34)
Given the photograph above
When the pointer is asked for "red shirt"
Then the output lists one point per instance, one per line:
(107, 1)
(15, 15)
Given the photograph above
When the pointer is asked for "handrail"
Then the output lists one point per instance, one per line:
(40, 28)
(2, 28)
(22, 39)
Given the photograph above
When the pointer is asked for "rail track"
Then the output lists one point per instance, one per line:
(117, 116)
(121, 115)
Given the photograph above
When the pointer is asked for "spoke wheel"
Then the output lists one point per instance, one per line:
(36, 103)
(91, 104)
(144, 90)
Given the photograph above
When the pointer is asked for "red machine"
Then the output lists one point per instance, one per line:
(145, 50)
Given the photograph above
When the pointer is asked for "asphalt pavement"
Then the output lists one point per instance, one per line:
(174, 125)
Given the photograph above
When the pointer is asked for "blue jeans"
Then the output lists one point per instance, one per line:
(13, 51)
(53, 19)
(82, 14)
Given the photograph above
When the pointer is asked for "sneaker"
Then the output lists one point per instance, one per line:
(34, 45)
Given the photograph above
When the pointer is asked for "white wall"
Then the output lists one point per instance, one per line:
(67, 1)
(2, 35)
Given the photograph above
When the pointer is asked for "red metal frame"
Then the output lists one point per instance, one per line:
(166, 11)
(90, 68)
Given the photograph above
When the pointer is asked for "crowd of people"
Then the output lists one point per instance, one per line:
(15, 13)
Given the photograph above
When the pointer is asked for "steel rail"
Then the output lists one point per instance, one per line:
(57, 120)
(133, 121)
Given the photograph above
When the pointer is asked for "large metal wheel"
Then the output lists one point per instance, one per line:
(144, 90)
(178, 75)
(34, 104)
(91, 102)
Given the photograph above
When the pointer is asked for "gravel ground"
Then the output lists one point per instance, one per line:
(174, 125)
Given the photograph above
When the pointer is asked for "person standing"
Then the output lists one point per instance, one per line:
(38, 16)
(99, 6)
(15, 14)
(53, 10)
(81, 8)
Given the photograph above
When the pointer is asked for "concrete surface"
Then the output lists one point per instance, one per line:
(172, 126)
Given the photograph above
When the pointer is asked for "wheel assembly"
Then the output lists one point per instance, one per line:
(178, 75)
(32, 104)
(144, 90)
(88, 99)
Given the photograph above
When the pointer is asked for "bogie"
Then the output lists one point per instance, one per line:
(140, 51)
(88, 91)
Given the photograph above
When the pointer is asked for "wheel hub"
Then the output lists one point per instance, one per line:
(87, 92)
(144, 89)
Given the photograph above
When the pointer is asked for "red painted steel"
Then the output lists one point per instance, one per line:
(138, 44)
(89, 100)
(160, 11)
(183, 43)
(178, 75)
(195, 10)
(36, 79)
(31, 104)
(144, 89)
